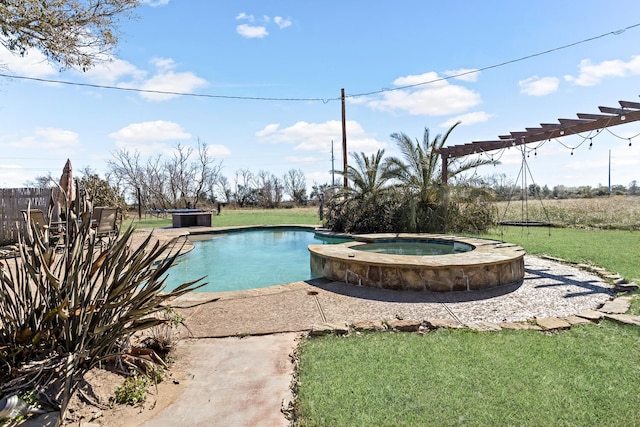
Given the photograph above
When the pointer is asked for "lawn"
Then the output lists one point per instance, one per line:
(615, 250)
(586, 376)
(235, 217)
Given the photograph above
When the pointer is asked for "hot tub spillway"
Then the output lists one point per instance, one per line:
(483, 264)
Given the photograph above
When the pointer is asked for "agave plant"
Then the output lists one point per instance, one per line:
(65, 307)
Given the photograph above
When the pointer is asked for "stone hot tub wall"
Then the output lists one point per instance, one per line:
(489, 264)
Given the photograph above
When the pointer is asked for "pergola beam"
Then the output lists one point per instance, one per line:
(630, 112)
(630, 104)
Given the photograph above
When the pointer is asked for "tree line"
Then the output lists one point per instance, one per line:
(505, 189)
(191, 177)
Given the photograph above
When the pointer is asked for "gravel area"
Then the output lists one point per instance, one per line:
(549, 289)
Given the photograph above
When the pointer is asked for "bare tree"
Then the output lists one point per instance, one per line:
(180, 175)
(127, 171)
(44, 181)
(71, 33)
(269, 189)
(155, 184)
(246, 192)
(206, 172)
(224, 188)
(322, 192)
(175, 182)
(295, 186)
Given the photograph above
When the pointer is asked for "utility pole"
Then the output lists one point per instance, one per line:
(333, 168)
(344, 141)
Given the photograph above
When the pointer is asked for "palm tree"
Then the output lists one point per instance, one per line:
(369, 177)
(366, 206)
(420, 172)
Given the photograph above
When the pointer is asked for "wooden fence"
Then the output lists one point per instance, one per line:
(15, 200)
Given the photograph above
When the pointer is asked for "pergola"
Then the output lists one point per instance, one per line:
(627, 113)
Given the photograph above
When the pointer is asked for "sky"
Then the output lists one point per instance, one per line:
(264, 81)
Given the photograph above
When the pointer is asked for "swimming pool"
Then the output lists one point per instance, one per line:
(248, 259)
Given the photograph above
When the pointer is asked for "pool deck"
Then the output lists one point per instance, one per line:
(549, 289)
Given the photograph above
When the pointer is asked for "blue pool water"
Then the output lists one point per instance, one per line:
(417, 247)
(247, 259)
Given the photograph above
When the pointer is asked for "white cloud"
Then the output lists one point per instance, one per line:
(301, 160)
(539, 86)
(243, 15)
(464, 74)
(269, 129)
(12, 176)
(110, 71)
(259, 31)
(592, 74)
(33, 64)
(282, 22)
(155, 3)
(322, 178)
(149, 137)
(436, 98)
(417, 79)
(218, 150)
(252, 31)
(51, 140)
(164, 80)
(318, 136)
(170, 81)
(509, 157)
(467, 119)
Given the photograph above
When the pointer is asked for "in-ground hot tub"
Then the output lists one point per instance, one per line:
(380, 261)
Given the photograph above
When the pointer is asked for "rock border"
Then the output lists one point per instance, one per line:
(615, 309)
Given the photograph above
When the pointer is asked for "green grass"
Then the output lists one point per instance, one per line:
(237, 217)
(586, 376)
(615, 250)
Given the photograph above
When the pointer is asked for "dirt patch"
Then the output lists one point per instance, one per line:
(94, 400)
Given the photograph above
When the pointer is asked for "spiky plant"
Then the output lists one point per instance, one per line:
(65, 307)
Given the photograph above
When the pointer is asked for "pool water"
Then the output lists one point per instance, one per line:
(419, 247)
(247, 260)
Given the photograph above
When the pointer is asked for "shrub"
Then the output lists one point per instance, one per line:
(133, 390)
(464, 209)
(75, 304)
(363, 215)
(471, 210)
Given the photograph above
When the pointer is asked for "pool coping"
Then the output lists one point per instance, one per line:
(491, 263)
(485, 251)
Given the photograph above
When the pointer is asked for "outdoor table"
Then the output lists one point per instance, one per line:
(191, 219)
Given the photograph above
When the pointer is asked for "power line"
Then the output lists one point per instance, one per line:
(523, 58)
(162, 92)
(323, 100)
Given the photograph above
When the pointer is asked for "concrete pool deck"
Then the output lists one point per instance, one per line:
(549, 289)
(235, 357)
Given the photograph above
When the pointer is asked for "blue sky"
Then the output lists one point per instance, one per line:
(310, 50)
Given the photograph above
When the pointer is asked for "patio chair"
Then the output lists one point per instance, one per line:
(36, 216)
(104, 220)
